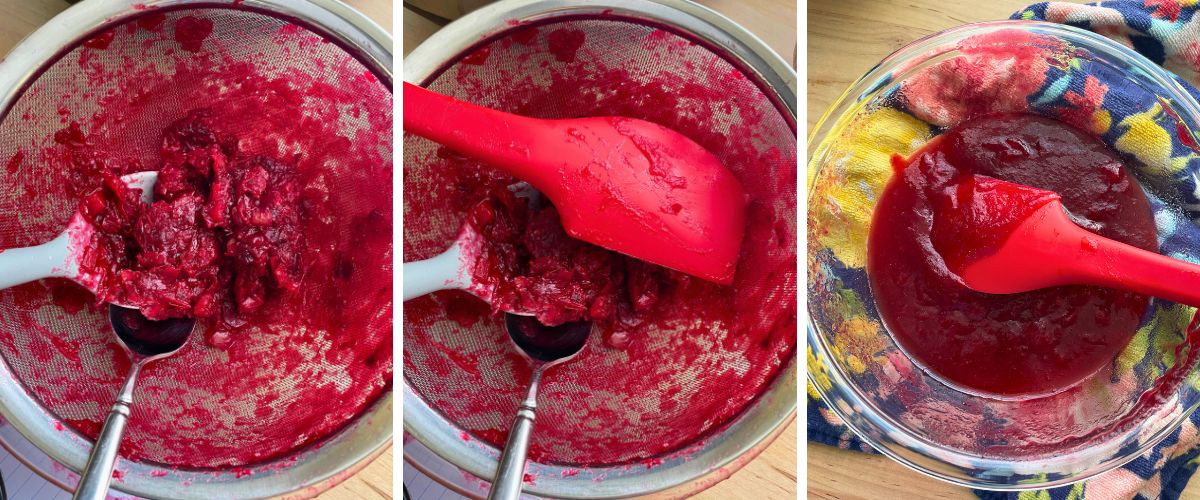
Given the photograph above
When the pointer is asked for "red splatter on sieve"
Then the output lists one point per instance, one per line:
(293, 376)
(643, 390)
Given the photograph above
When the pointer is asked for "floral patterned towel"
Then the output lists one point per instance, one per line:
(1168, 33)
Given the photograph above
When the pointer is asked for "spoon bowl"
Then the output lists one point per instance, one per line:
(547, 344)
(145, 338)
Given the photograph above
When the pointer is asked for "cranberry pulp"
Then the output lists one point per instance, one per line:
(222, 233)
(530, 264)
(222, 230)
(1016, 345)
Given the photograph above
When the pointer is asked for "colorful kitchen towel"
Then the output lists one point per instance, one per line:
(1168, 33)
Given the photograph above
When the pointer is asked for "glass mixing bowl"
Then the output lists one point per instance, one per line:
(1104, 421)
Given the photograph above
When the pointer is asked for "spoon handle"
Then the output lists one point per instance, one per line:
(97, 474)
(22, 265)
(441, 272)
(510, 472)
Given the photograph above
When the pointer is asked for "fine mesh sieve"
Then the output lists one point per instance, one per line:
(288, 405)
(645, 408)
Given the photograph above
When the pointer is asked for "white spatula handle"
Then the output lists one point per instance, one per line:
(442, 272)
(22, 265)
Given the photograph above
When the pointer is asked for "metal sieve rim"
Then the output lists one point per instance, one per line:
(312, 469)
(727, 448)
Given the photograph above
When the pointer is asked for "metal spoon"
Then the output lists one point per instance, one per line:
(544, 347)
(143, 341)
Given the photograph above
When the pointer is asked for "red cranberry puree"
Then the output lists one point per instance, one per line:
(532, 266)
(223, 231)
(1023, 344)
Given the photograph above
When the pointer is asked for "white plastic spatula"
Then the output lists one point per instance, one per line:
(449, 270)
(59, 258)
(453, 269)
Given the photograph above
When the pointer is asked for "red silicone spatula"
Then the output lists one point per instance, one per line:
(1044, 248)
(627, 185)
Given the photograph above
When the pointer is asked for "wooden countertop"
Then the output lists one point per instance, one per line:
(772, 475)
(845, 40)
(20, 18)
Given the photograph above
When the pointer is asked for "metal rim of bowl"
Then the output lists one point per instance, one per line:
(729, 447)
(917, 453)
(311, 470)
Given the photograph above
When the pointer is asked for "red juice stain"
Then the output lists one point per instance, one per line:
(528, 478)
(570, 472)
(28, 295)
(58, 426)
(191, 31)
(240, 472)
(158, 473)
(14, 163)
(71, 136)
(101, 41)
(525, 36)
(289, 30)
(151, 22)
(86, 427)
(564, 43)
(478, 57)
(70, 296)
(1032, 343)
(465, 309)
(118, 475)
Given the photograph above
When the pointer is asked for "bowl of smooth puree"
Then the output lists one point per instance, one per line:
(1001, 392)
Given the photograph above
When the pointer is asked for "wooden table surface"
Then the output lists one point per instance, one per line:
(772, 475)
(18, 18)
(845, 39)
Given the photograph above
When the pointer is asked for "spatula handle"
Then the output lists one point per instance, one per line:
(22, 265)
(441, 272)
(503, 140)
(1117, 265)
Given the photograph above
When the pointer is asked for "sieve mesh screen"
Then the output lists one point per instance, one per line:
(292, 376)
(641, 388)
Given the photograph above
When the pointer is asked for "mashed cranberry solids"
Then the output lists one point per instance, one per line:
(1025, 344)
(223, 230)
(531, 265)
